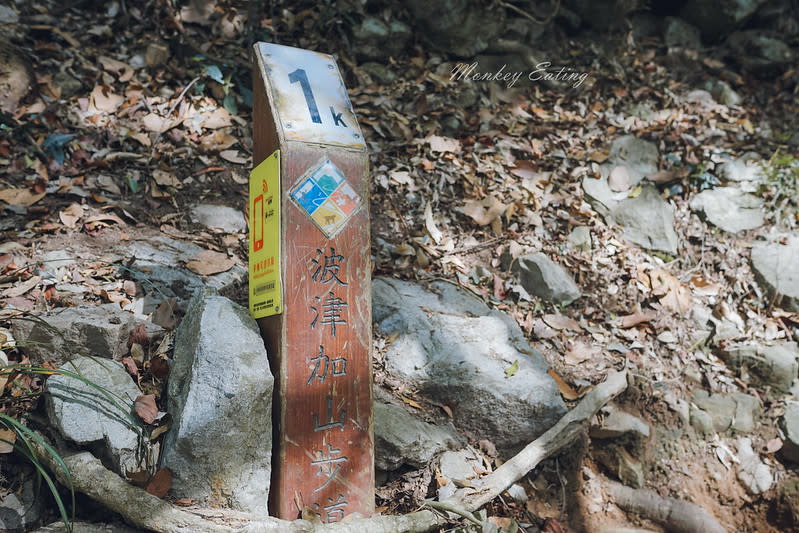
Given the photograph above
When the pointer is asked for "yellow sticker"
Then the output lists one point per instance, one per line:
(266, 291)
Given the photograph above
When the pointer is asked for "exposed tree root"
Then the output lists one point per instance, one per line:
(146, 511)
(678, 516)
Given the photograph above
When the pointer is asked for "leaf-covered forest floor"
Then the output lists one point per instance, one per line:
(141, 112)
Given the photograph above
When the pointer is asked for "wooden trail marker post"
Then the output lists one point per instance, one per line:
(310, 282)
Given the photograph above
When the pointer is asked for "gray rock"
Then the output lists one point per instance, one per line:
(753, 473)
(8, 15)
(580, 238)
(220, 397)
(648, 221)
(737, 411)
(717, 18)
(219, 217)
(68, 332)
(701, 420)
(541, 276)
(623, 465)
(401, 438)
(156, 265)
(463, 28)
(86, 416)
(748, 167)
(517, 493)
(22, 509)
(460, 466)
(616, 423)
(776, 366)
(376, 39)
(379, 72)
(759, 53)
(790, 426)
(680, 34)
(730, 209)
(455, 350)
(774, 264)
(723, 93)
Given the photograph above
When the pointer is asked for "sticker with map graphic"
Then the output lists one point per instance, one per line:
(324, 194)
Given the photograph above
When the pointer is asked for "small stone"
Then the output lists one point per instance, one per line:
(542, 277)
(379, 72)
(616, 423)
(648, 221)
(730, 208)
(86, 416)
(701, 421)
(723, 93)
(580, 239)
(401, 438)
(748, 167)
(790, 426)
(630, 470)
(517, 493)
(459, 466)
(755, 475)
(678, 33)
(156, 55)
(24, 508)
(220, 217)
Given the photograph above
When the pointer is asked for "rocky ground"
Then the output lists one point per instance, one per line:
(645, 218)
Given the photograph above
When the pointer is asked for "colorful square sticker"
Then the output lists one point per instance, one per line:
(326, 197)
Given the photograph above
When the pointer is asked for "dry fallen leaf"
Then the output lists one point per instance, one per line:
(634, 319)
(565, 389)
(430, 224)
(130, 366)
(412, 403)
(22, 288)
(443, 144)
(20, 197)
(675, 296)
(580, 352)
(484, 211)
(103, 99)
(145, 407)
(562, 322)
(70, 215)
(209, 262)
(160, 483)
(234, 157)
(7, 439)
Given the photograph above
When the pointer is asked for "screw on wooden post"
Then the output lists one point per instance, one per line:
(310, 282)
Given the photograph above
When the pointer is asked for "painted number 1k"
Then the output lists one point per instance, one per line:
(299, 76)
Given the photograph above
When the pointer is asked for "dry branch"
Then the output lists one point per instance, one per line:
(678, 516)
(557, 437)
(146, 511)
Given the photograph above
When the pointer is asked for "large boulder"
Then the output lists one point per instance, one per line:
(102, 419)
(774, 264)
(219, 448)
(454, 350)
(68, 332)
